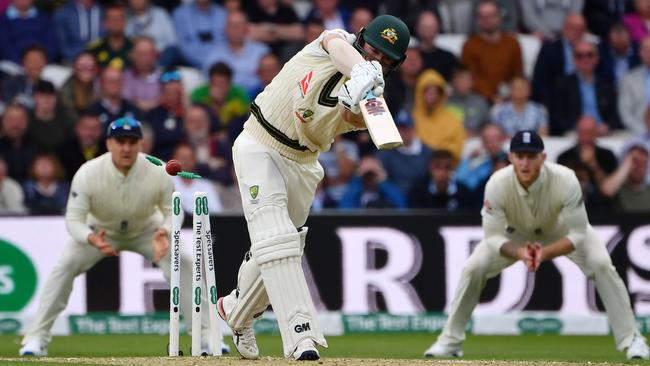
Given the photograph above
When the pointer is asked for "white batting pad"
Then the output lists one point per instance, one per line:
(250, 293)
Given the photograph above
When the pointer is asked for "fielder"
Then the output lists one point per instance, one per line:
(275, 157)
(533, 211)
(118, 201)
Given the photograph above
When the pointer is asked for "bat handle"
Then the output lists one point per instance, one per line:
(370, 95)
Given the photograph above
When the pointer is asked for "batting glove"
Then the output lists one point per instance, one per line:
(365, 76)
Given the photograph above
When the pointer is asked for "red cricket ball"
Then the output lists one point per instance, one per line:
(173, 167)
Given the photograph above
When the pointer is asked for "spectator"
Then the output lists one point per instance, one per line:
(437, 124)
(200, 28)
(371, 188)
(11, 194)
(274, 23)
(400, 89)
(20, 88)
(505, 61)
(591, 195)
(544, 18)
(618, 54)
(439, 190)
(456, 15)
(242, 54)
(339, 164)
(519, 113)
(141, 81)
(433, 57)
(16, 148)
(166, 120)
(583, 93)
(555, 58)
(334, 17)
(508, 11)
(474, 107)
(78, 92)
(636, 22)
(185, 155)
(86, 144)
(634, 96)
(114, 49)
(598, 161)
(268, 69)
(474, 171)
(111, 105)
(50, 125)
(46, 192)
(312, 29)
(213, 155)
(226, 100)
(77, 23)
(146, 20)
(408, 163)
(359, 19)
(600, 14)
(628, 184)
(22, 27)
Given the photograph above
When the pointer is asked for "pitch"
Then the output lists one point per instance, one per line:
(354, 350)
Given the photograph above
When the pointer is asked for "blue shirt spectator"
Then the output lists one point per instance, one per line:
(371, 189)
(200, 28)
(588, 97)
(240, 53)
(144, 19)
(77, 24)
(519, 113)
(24, 27)
(46, 193)
(618, 54)
(474, 171)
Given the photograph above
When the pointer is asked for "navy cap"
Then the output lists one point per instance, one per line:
(403, 119)
(125, 126)
(526, 141)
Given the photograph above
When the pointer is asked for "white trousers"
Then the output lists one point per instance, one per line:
(592, 258)
(77, 258)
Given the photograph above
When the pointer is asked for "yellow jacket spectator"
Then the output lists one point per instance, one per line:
(437, 124)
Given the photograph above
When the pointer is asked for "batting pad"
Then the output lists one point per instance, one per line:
(276, 247)
(251, 295)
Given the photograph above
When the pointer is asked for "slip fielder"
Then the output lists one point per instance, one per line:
(534, 211)
(118, 201)
(296, 116)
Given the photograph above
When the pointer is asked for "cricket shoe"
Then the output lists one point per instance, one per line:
(638, 349)
(306, 351)
(244, 339)
(33, 348)
(441, 350)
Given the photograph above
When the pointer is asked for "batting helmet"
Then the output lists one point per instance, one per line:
(387, 34)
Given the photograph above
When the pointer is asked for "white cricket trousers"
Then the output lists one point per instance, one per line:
(77, 258)
(592, 258)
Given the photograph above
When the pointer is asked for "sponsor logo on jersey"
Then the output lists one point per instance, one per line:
(390, 35)
(304, 83)
(304, 115)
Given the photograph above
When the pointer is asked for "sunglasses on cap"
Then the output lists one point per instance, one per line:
(170, 76)
(120, 123)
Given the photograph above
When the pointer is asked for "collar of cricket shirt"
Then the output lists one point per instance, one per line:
(535, 187)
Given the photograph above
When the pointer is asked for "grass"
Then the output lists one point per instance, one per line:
(406, 346)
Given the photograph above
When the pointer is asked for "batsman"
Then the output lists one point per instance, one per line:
(314, 98)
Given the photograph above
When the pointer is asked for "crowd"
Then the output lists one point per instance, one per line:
(591, 79)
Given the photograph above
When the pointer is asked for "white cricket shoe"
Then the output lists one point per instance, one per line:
(638, 349)
(306, 351)
(244, 339)
(441, 350)
(33, 348)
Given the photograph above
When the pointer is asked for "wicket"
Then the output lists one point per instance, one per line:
(202, 266)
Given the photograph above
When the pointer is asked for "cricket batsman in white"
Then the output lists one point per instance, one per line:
(533, 212)
(314, 98)
(118, 201)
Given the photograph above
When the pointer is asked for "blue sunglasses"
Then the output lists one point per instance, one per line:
(170, 76)
(119, 123)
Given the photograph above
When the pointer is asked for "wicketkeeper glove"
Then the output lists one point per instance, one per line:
(364, 77)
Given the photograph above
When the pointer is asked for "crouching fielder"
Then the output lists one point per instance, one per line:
(118, 201)
(275, 158)
(533, 212)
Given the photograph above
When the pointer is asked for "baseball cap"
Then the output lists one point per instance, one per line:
(403, 119)
(526, 141)
(125, 126)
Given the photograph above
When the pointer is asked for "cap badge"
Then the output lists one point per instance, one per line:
(390, 35)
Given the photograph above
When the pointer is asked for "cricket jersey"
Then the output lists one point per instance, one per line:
(551, 208)
(101, 197)
(298, 114)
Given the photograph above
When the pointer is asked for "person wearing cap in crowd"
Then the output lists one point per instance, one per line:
(109, 211)
(534, 212)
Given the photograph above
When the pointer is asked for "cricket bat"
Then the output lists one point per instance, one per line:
(380, 123)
